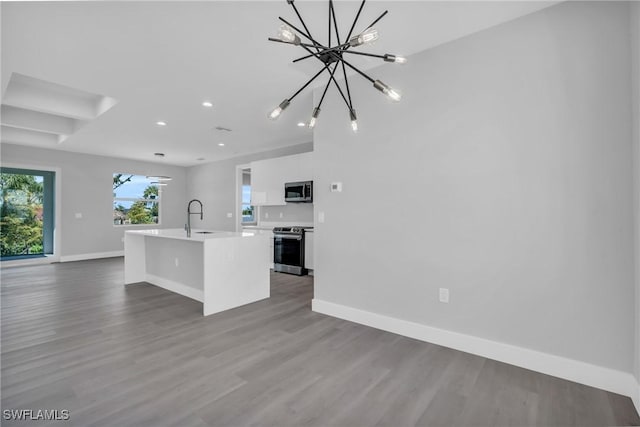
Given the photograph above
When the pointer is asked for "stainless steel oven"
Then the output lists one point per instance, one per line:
(288, 250)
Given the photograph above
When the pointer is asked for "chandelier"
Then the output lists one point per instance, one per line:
(332, 57)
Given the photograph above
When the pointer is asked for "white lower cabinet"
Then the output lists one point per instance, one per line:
(271, 248)
(308, 250)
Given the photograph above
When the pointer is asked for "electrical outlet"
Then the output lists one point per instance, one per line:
(78, 215)
(281, 214)
(266, 214)
(321, 217)
(444, 295)
(229, 215)
(177, 262)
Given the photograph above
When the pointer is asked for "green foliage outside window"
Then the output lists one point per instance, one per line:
(21, 215)
(135, 200)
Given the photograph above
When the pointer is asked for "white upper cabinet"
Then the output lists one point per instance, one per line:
(268, 177)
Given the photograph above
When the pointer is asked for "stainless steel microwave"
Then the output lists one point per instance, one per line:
(298, 192)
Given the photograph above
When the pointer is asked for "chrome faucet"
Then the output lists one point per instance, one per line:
(189, 213)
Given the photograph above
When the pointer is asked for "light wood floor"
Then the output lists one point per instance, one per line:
(75, 338)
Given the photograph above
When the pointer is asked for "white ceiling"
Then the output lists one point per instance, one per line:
(160, 60)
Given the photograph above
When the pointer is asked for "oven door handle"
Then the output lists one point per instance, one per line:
(288, 236)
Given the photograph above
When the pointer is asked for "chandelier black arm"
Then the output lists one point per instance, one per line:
(364, 54)
(326, 67)
(301, 58)
(305, 85)
(355, 20)
(358, 71)
(327, 86)
(329, 43)
(341, 47)
(271, 39)
(335, 22)
(341, 93)
(300, 18)
(315, 43)
(327, 49)
(346, 82)
(379, 18)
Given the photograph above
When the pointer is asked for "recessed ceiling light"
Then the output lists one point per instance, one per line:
(207, 104)
(161, 123)
(301, 124)
(221, 144)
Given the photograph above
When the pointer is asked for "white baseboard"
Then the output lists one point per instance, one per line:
(573, 370)
(178, 288)
(30, 261)
(94, 255)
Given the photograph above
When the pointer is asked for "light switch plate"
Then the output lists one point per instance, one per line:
(444, 295)
(336, 187)
(320, 217)
(78, 215)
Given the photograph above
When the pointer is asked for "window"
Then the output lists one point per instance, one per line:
(26, 213)
(136, 200)
(247, 210)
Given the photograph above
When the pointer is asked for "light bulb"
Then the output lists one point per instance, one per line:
(314, 117)
(393, 94)
(286, 34)
(278, 110)
(354, 120)
(367, 36)
(275, 113)
(393, 58)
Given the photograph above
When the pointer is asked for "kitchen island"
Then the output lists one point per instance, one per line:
(221, 269)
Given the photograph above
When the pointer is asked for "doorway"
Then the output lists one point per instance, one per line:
(27, 214)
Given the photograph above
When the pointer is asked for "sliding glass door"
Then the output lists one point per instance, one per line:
(26, 213)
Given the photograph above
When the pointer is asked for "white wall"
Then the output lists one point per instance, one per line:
(292, 213)
(503, 175)
(87, 188)
(214, 185)
(635, 76)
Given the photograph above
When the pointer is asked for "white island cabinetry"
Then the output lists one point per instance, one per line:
(222, 269)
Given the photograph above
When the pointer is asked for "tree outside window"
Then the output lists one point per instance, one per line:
(247, 210)
(21, 214)
(136, 200)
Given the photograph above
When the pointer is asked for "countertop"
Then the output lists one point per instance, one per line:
(181, 234)
(271, 225)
